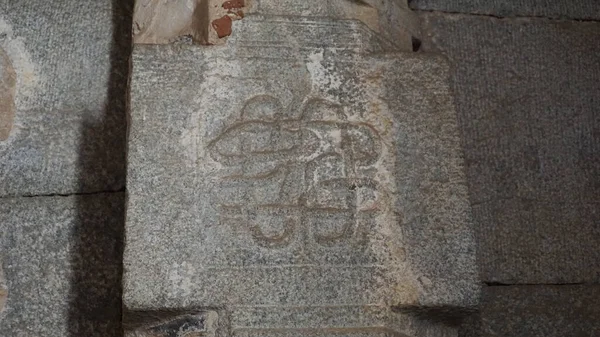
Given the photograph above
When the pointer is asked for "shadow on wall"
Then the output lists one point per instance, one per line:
(95, 308)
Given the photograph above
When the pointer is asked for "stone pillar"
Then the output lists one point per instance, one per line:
(302, 178)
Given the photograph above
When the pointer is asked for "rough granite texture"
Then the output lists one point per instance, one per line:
(529, 111)
(290, 174)
(556, 9)
(3, 290)
(61, 258)
(391, 19)
(70, 60)
(537, 311)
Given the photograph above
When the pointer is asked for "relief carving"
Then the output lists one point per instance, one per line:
(8, 84)
(303, 175)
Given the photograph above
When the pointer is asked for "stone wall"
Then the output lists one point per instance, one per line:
(526, 91)
(304, 176)
(63, 80)
(525, 80)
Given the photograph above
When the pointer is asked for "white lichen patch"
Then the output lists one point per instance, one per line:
(181, 279)
(323, 77)
(27, 74)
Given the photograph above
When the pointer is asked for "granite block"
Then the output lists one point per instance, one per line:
(70, 65)
(528, 109)
(537, 311)
(294, 170)
(62, 263)
(556, 9)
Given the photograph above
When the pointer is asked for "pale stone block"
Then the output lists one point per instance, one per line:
(291, 171)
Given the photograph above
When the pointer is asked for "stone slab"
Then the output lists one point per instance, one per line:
(68, 132)
(62, 263)
(280, 172)
(537, 311)
(556, 9)
(527, 99)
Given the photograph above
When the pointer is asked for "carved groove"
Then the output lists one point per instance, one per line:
(297, 172)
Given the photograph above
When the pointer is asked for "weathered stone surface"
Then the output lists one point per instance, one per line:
(164, 323)
(70, 62)
(3, 289)
(527, 100)
(531, 242)
(558, 9)
(209, 21)
(204, 21)
(293, 182)
(537, 311)
(8, 85)
(391, 19)
(62, 264)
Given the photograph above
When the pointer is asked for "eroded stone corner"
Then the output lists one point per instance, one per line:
(205, 22)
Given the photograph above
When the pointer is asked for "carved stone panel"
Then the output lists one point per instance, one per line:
(278, 185)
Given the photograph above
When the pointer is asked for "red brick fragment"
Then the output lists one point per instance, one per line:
(222, 26)
(231, 4)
